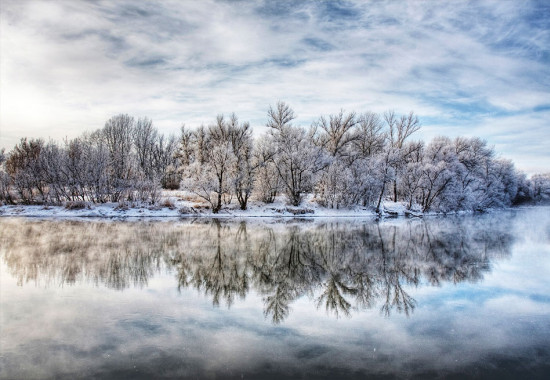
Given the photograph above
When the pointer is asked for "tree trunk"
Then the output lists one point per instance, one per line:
(380, 197)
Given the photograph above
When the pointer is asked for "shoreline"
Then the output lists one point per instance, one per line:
(109, 211)
(178, 205)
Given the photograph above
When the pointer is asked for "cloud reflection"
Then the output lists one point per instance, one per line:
(70, 317)
(344, 267)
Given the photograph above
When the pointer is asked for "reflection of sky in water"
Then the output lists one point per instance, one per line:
(496, 324)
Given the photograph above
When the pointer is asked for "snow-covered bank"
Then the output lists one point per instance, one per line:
(175, 205)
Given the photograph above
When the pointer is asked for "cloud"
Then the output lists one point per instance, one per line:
(68, 66)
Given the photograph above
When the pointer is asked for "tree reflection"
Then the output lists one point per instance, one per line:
(342, 266)
(277, 304)
(333, 294)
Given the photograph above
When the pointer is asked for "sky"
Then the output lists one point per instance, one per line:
(479, 68)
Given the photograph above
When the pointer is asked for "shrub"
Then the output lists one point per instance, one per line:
(76, 205)
(184, 210)
(167, 202)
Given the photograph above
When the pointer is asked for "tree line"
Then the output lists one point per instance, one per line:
(341, 160)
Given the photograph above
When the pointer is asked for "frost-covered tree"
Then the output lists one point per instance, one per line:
(96, 164)
(496, 185)
(244, 168)
(337, 133)
(185, 151)
(344, 160)
(119, 136)
(336, 136)
(267, 183)
(369, 175)
(184, 155)
(297, 159)
(334, 185)
(53, 172)
(209, 175)
(473, 155)
(76, 168)
(384, 164)
(5, 181)
(357, 167)
(24, 167)
(411, 181)
(164, 162)
(218, 161)
(541, 187)
(145, 138)
(399, 130)
(370, 137)
(438, 175)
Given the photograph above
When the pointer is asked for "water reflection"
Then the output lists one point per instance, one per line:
(342, 267)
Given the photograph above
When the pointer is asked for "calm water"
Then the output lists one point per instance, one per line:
(453, 297)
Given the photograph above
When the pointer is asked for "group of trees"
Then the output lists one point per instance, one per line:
(343, 160)
(347, 160)
(125, 160)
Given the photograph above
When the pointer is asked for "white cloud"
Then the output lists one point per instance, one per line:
(68, 66)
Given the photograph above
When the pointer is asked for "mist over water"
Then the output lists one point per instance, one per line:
(463, 296)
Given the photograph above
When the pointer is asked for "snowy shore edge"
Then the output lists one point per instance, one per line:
(185, 210)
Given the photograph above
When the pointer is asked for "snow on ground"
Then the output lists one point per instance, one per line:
(181, 204)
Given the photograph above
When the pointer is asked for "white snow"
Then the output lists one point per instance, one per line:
(185, 205)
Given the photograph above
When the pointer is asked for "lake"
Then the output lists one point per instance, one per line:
(438, 297)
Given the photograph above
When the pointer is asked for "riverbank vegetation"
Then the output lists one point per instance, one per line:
(342, 160)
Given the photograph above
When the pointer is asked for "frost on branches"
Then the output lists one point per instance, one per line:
(344, 160)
